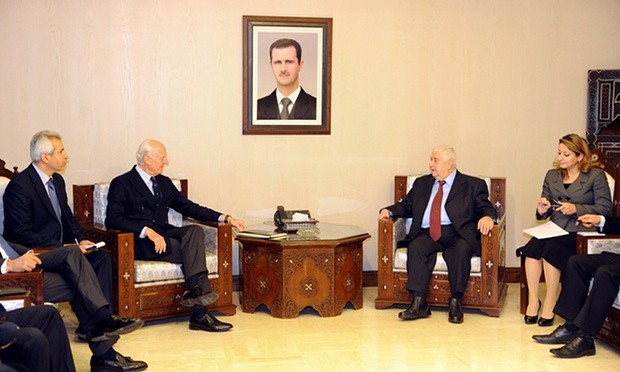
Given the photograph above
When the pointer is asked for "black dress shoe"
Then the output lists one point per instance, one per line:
(195, 296)
(532, 319)
(120, 363)
(560, 335)
(418, 309)
(543, 322)
(210, 324)
(80, 337)
(115, 327)
(455, 311)
(581, 345)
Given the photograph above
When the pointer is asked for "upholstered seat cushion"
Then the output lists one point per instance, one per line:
(400, 263)
(149, 273)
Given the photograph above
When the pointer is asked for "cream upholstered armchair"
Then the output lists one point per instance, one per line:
(486, 289)
(153, 289)
(31, 281)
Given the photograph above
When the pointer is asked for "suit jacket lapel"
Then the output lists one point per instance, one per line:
(556, 186)
(141, 188)
(39, 188)
(456, 189)
(578, 184)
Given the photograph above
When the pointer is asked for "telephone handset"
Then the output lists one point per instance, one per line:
(282, 215)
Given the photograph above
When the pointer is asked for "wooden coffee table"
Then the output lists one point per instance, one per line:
(323, 271)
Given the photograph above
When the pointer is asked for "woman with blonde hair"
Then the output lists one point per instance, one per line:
(575, 186)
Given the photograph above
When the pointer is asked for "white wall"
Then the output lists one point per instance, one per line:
(501, 81)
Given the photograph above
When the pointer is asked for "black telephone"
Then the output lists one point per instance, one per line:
(281, 215)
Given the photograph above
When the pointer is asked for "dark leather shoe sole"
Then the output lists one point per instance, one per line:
(122, 363)
(405, 315)
(577, 348)
(136, 324)
(209, 328)
(205, 300)
(559, 336)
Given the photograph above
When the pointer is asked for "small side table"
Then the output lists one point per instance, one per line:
(322, 271)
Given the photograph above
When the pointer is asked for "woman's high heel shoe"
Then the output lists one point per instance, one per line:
(533, 319)
(543, 322)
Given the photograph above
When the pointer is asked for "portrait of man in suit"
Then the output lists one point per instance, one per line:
(289, 101)
(296, 54)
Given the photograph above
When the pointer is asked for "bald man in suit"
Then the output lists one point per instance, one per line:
(464, 212)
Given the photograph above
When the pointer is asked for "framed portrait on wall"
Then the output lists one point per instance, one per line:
(286, 75)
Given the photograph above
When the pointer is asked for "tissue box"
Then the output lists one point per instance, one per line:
(292, 226)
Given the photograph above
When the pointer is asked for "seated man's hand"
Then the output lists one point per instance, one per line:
(85, 243)
(485, 225)
(384, 214)
(589, 220)
(238, 224)
(158, 240)
(27, 262)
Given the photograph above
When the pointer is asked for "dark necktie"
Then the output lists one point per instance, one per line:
(156, 190)
(55, 203)
(435, 222)
(54, 198)
(6, 247)
(285, 103)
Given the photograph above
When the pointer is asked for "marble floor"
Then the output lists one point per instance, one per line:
(358, 340)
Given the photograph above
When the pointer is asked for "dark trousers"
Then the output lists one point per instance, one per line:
(422, 256)
(67, 276)
(588, 312)
(42, 343)
(185, 246)
(102, 264)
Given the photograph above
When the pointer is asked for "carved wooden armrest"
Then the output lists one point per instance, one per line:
(32, 281)
(597, 244)
(120, 244)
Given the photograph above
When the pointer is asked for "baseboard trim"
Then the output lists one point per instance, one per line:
(369, 278)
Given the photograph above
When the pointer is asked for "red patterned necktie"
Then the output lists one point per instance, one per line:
(435, 222)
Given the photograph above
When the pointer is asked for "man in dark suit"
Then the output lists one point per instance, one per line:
(36, 212)
(585, 309)
(67, 276)
(138, 201)
(35, 338)
(449, 210)
(288, 101)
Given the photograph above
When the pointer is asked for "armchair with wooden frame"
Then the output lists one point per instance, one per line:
(486, 289)
(153, 289)
(31, 281)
